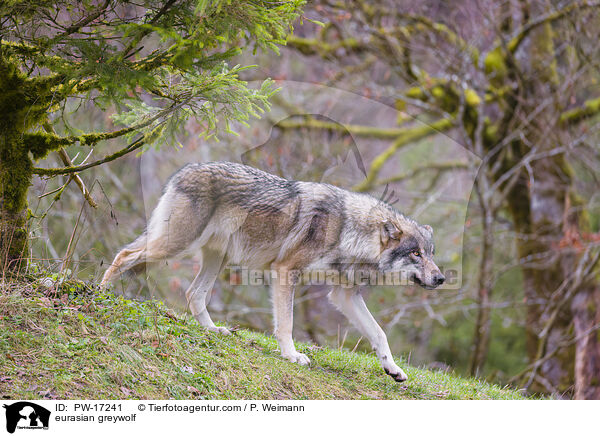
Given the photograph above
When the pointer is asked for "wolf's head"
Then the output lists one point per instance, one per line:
(407, 248)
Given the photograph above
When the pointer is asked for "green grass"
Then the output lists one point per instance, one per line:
(81, 343)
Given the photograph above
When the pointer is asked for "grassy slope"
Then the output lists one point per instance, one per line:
(82, 344)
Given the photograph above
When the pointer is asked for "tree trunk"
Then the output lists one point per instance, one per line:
(586, 314)
(561, 305)
(17, 99)
(562, 345)
(15, 178)
(481, 337)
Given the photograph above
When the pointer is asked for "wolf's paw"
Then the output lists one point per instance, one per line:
(396, 373)
(222, 330)
(297, 358)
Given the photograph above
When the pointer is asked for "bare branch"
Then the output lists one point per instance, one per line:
(82, 23)
(408, 136)
(69, 170)
(522, 33)
(438, 167)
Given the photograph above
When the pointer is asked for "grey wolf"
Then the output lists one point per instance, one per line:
(245, 216)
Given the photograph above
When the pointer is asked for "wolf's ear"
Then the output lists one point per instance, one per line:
(428, 228)
(389, 231)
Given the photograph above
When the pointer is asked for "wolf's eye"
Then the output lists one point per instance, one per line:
(416, 253)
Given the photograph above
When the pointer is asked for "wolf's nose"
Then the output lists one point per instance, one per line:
(439, 279)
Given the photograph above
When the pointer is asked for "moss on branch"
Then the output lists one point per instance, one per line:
(52, 172)
(572, 116)
(356, 130)
(424, 23)
(444, 93)
(494, 65)
(408, 136)
(312, 46)
(418, 24)
(40, 143)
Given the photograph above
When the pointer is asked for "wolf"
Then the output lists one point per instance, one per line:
(244, 216)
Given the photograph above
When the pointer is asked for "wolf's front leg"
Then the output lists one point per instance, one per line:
(283, 313)
(352, 305)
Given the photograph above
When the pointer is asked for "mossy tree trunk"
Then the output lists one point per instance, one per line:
(562, 299)
(24, 105)
(538, 212)
(561, 295)
(15, 177)
(15, 163)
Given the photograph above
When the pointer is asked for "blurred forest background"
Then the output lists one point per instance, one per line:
(476, 117)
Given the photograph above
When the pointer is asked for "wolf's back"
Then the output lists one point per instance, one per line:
(234, 184)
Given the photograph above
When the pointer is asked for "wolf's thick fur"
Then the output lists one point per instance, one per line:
(248, 217)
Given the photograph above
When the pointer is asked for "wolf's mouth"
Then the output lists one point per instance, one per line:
(419, 282)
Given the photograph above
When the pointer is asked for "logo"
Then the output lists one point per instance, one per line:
(26, 415)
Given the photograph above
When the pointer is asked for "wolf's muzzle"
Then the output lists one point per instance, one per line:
(438, 279)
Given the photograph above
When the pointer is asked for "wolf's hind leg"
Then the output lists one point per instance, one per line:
(352, 305)
(198, 293)
(143, 250)
(175, 223)
(130, 256)
(283, 311)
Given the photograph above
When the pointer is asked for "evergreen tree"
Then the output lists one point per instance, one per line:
(119, 54)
